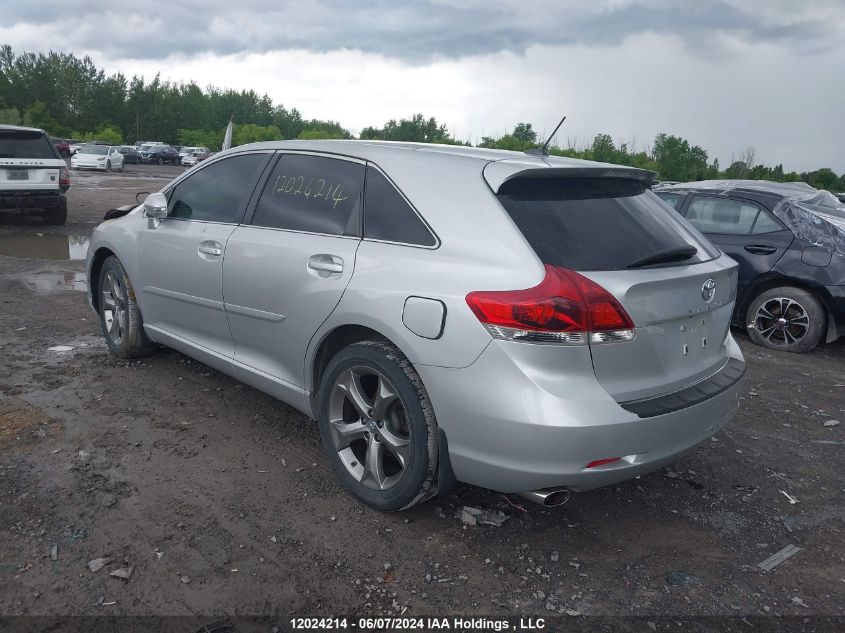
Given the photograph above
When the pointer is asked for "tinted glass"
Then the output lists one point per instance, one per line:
(721, 215)
(312, 193)
(24, 144)
(388, 216)
(218, 192)
(95, 149)
(672, 199)
(596, 223)
(766, 224)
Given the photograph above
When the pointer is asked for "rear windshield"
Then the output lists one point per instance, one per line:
(598, 223)
(25, 144)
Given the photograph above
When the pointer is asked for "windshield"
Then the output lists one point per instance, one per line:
(600, 224)
(145, 148)
(25, 144)
(95, 149)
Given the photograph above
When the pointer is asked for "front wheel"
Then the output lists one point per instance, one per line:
(120, 317)
(377, 426)
(108, 166)
(786, 318)
(160, 161)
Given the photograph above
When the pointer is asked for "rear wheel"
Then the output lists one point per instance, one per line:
(120, 317)
(377, 426)
(786, 318)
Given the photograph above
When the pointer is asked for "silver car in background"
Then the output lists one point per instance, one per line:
(525, 323)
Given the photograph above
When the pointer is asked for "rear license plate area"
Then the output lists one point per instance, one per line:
(17, 174)
(696, 335)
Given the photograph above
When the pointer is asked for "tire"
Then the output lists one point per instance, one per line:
(401, 424)
(159, 161)
(800, 330)
(124, 332)
(108, 166)
(56, 216)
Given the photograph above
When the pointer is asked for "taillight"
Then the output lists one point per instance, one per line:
(564, 308)
(64, 177)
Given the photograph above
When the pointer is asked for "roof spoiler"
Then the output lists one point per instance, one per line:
(499, 172)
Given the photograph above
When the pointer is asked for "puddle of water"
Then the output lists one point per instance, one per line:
(44, 245)
(53, 282)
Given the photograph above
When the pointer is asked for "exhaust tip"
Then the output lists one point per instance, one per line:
(557, 498)
(548, 497)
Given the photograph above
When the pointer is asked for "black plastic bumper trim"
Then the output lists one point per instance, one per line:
(721, 381)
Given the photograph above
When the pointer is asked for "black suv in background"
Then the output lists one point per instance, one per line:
(789, 241)
(159, 154)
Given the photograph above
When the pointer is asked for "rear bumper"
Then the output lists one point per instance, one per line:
(518, 421)
(26, 201)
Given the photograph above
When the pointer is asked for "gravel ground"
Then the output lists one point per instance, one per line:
(220, 500)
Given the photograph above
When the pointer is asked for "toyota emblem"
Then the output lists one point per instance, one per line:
(708, 290)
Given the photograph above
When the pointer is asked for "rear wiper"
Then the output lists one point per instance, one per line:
(679, 254)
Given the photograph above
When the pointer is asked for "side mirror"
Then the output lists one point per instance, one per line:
(155, 206)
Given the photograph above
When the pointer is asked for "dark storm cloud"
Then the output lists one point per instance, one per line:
(415, 31)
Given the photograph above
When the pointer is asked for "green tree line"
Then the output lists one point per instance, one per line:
(70, 97)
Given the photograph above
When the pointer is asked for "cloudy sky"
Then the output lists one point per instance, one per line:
(724, 74)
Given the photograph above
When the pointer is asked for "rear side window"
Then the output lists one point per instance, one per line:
(388, 216)
(25, 144)
(596, 223)
(672, 199)
(315, 194)
(722, 215)
(765, 224)
(217, 193)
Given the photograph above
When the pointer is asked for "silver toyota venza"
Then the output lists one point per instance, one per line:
(520, 322)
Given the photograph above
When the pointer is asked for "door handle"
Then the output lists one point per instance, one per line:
(209, 247)
(326, 264)
(757, 249)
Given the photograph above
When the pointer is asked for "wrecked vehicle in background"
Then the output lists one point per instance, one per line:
(789, 241)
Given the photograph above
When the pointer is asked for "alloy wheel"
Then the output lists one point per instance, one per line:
(782, 321)
(369, 427)
(115, 311)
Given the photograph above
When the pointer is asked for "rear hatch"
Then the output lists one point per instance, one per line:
(674, 284)
(28, 162)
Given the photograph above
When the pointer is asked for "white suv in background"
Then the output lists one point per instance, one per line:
(33, 177)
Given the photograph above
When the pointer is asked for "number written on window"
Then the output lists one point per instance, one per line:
(309, 193)
(316, 189)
